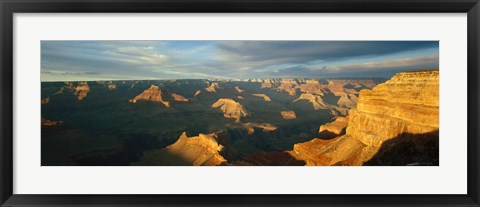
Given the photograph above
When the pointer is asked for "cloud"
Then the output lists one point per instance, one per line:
(232, 59)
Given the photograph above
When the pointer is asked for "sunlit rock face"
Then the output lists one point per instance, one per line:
(265, 97)
(266, 127)
(231, 109)
(212, 88)
(201, 150)
(153, 94)
(336, 126)
(197, 93)
(178, 97)
(403, 111)
(288, 114)
(81, 90)
(408, 103)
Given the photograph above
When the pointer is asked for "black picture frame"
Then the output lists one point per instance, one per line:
(10, 7)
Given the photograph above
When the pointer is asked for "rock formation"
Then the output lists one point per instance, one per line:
(336, 126)
(265, 97)
(231, 109)
(46, 122)
(178, 97)
(45, 100)
(112, 86)
(403, 111)
(288, 114)
(153, 94)
(266, 127)
(316, 101)
(238, 89)
(202, 150)
(82, 90)
(240, 97)
(197, 92)
(289, 86)
(212, 88)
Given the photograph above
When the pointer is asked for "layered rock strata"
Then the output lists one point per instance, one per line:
(402, 110)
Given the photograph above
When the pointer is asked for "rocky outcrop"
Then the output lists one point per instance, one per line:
(266, 85)
(46, 122)
(240, 97)
(178, 97)
(288, 114)
(265, 97)
(238, 89)
(45, 100)
(212, 88)
(153, 94)
(266, 127)
(81, 90)
(336, 126)
(202, 150)
(402, 111)
(316, 100)
(112, 86)
(289, 86)
(231, 109)
(197, 92)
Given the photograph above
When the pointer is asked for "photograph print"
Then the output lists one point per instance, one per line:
(239, 103)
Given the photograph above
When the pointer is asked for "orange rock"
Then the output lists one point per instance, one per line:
(46, 122)
(238, 89)
(212, 88)
(231, 108)
(265, 97)
(197, 92)
(153, 94)
(178, 97)
(266, 127)
(82, 90)
(45, 100)
(404, 106)
(288, 115)
(336, 126)
(202, 150)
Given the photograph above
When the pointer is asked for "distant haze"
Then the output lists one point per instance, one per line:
(140, 60)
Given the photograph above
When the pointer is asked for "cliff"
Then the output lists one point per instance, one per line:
(336, 127)
(231, 108)
(402, 112)
(153, 94)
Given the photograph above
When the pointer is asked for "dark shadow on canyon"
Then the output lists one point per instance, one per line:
(408, 149)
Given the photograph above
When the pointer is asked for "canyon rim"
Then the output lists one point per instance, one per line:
(239, 103)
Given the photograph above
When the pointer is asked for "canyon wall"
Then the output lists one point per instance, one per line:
(403, 109)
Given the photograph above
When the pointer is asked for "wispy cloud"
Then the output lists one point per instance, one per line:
(231, 59)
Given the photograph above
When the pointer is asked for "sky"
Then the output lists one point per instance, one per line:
(144, 60)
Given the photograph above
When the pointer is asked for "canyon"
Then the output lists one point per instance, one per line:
(295, 121)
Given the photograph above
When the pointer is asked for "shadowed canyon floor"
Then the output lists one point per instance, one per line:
(242, 122)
